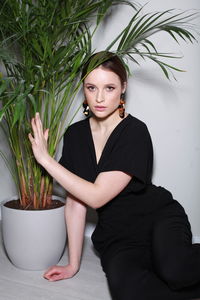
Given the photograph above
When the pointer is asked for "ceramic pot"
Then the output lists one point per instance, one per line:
(35, 239)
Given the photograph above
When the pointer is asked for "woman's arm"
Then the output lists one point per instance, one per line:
(106, 186)
(75, 215)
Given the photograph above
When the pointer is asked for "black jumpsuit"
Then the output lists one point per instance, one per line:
(143, 235)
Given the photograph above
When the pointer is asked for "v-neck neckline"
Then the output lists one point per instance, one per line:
(107, 141)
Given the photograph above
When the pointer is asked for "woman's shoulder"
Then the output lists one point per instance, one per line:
(135, 123)
(79, 125)
(75, 130)
(135, 131)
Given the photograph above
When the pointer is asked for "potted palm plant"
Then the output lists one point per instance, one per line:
(43, 46)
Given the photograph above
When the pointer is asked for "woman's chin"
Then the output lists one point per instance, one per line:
(104, 114)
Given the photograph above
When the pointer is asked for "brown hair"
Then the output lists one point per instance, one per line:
(106, 60)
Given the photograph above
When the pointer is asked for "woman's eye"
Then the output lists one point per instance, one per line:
(110, 88)
(91, 88)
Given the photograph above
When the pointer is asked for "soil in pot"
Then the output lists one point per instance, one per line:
(16, 205)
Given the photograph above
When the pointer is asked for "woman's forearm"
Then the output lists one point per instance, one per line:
(75, 185)
(75, 214)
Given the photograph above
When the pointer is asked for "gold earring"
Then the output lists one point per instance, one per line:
(86, 110)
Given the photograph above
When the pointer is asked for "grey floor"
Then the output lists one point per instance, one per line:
(88, 284)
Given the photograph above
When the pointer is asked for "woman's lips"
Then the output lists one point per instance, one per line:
(100, 108)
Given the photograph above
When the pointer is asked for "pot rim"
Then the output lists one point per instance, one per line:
(54, 197)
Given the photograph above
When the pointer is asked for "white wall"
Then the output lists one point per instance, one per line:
(170, 109)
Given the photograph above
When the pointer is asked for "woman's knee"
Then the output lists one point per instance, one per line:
(172, 273)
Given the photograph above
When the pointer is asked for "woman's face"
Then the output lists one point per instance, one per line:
(103, 89)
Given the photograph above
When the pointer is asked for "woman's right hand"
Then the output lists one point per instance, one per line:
(55, 273)
(39, 140)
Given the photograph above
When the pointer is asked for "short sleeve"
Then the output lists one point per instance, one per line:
(132, 154)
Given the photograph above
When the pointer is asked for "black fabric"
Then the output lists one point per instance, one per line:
(130, 151)
(126, 224)
(130, 139)
(168, 270)
(66, 159)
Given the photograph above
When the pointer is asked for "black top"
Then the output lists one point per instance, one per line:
(129, 149)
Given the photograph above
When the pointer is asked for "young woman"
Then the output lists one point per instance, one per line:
(143, 236)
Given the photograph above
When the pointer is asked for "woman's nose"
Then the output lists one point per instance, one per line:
(99, 97)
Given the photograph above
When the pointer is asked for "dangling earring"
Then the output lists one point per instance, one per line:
(122, 107)
(86, 108)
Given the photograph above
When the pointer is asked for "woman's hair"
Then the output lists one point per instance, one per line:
(106, 60)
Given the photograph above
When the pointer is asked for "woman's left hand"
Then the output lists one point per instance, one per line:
(39, 140)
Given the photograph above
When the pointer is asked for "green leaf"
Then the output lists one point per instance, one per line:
(18, 109)
(4, 85)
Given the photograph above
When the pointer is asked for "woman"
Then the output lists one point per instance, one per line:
(143, 236)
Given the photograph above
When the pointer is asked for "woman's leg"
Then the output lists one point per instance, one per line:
(169, 270)
(176, 260)
(130, 277)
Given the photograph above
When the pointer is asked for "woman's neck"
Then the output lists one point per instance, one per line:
(106, 124)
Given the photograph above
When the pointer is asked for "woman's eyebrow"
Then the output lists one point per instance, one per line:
(104, 84)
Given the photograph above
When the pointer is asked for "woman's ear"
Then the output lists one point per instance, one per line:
(124, 86)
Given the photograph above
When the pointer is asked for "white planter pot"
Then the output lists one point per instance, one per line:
(34, 240)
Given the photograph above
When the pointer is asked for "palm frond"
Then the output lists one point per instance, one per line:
(136, 36)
